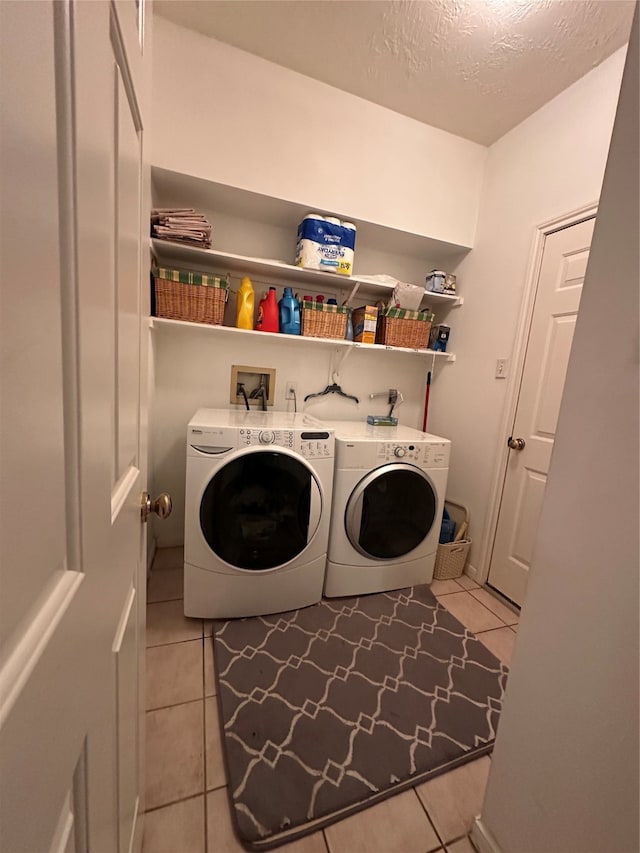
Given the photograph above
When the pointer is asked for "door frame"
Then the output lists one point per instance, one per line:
(523, 330)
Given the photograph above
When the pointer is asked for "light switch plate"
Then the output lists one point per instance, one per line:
(502, 368)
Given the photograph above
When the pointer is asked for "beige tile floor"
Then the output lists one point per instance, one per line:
(187, 807)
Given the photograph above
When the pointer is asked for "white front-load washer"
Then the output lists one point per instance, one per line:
(388, 496)
(258, 498)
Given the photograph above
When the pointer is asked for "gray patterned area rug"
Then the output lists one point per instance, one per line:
(332, 708)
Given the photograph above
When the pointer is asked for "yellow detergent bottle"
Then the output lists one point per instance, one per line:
(245, 304)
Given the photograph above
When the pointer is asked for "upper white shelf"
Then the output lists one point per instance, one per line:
(162, 322)
(170, 253)
(180, 189)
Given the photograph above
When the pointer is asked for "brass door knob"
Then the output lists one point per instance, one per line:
(516, 443)
(162, 506)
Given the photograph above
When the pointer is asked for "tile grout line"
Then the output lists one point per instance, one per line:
(189, 796)
(173, 803)
(174, 643)
(326, 841)
(426, 811)
(204, 752)
(177, 705)
(489, 630)
(165, 600)
(478, 587)
(184, 701)
(174, 704)
(490, 610)
(504, 624)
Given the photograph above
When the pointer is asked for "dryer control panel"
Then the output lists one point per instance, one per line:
(420, 454)
(392, 452)
(371, 454)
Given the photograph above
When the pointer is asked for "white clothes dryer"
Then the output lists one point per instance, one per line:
(258, 498)
(388, 496)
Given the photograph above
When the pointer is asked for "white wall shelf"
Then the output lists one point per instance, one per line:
(180, 189)
(163, 323)
(170, 254)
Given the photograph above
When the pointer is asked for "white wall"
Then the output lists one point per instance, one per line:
(267, 131)
(228, 116)
(549, 165)
(564, 775)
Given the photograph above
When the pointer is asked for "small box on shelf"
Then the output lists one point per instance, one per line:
(365, 320)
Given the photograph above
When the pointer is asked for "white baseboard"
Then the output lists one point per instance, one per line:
(482, 839)
(472, 572)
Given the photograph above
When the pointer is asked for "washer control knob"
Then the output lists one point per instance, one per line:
(399, 452)
(267, 437)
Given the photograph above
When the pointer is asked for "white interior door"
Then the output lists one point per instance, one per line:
(74, 350)
(564, 263)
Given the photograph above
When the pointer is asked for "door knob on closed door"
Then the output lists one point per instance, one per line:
(516, 443)
(162, 505)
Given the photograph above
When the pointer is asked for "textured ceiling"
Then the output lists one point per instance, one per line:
(473, 67)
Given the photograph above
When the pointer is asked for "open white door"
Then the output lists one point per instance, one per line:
(564, 263)
(74, 367)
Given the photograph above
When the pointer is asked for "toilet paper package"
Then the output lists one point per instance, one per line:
(326, 243)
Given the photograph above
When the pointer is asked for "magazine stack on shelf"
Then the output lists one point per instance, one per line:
(181, 225)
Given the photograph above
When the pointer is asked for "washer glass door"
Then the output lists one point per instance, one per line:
(260, 510)
(390, 511)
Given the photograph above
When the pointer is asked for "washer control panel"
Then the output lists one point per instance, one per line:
(266, 437)
(311, 444)
(314, 442)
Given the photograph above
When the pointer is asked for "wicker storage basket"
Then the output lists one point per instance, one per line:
(193, 296)
(451, 557)
(399, 327)
(320, 320)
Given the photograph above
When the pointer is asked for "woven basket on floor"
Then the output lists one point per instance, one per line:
(398, 327)
(452, 556)
(320, 320)
(192, 296)
(451, 559)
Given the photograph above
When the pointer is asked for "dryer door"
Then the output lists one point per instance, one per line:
(390, 511)
(260, 510)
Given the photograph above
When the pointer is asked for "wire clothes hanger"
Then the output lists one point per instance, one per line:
(334, 387)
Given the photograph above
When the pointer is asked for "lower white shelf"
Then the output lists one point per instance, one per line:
(161, 322)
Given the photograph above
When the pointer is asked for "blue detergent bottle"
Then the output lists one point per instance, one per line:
(289, 313)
